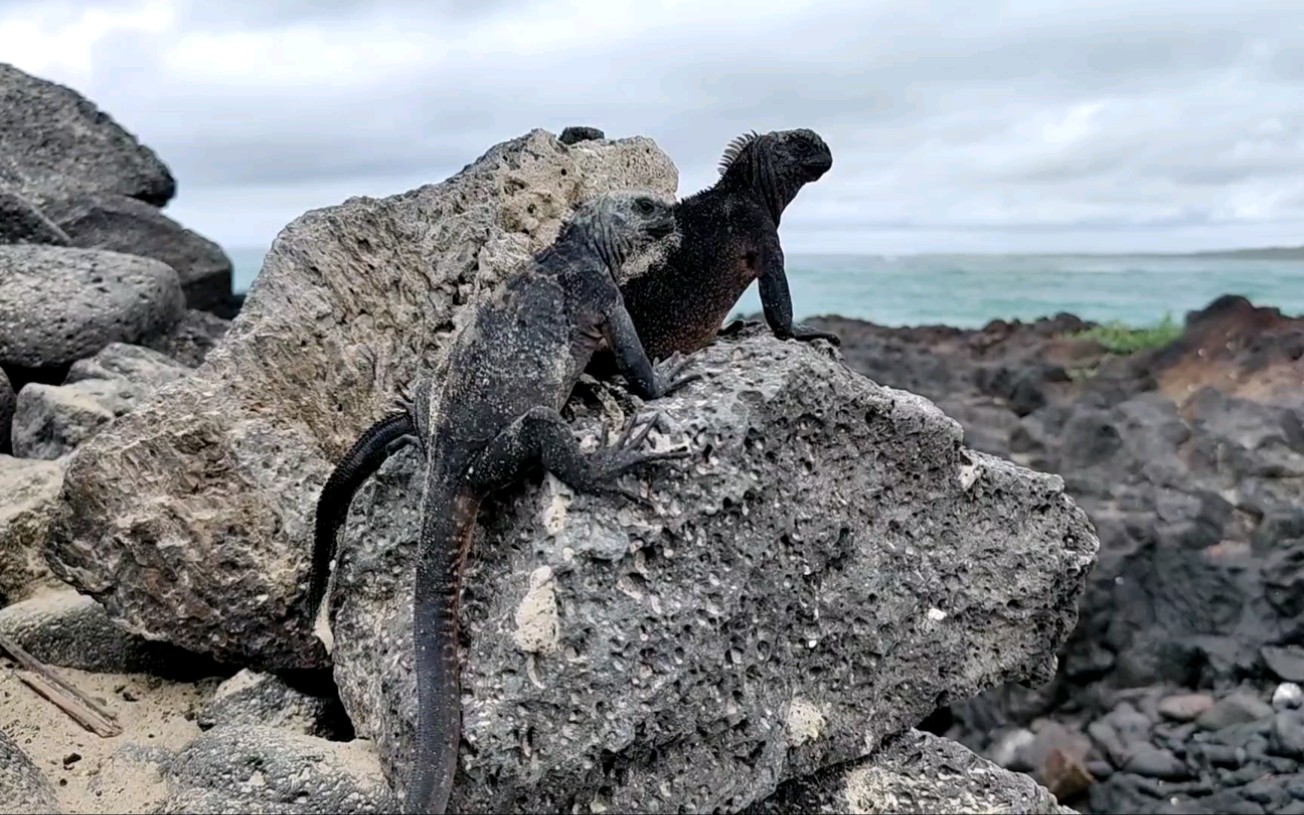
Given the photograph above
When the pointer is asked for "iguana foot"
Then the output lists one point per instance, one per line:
(543, 435)
(603, 468)
(670, 376)
(615, 460)
(808, 334)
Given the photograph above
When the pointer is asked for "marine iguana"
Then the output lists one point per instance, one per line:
(493, 413)
(728, 237)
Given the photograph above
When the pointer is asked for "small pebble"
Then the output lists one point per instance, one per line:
(1238, 708)
(1220, 755)
(1287, 737)
(1287, 695)
(1006, 751)
(1153, 762)
(1100, 770)
(1185, 707)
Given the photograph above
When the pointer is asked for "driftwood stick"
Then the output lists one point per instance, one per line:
(47, 683)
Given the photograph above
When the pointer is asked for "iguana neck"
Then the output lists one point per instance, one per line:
(754, 173)
(579, 245)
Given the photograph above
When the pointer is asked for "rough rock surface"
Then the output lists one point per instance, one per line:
(7, 402)
(29, 496)
(55, 143)
(21, 222)
(252, 698)
(121, 224)
(52, 420)
(225, 468)
(23, 789)
(1188, 458)
(913, 772)
(59, 305)
(192, 338)
(61, 627)
(830, 566)
(265, 769)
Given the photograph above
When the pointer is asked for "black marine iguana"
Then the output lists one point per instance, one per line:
(728, 237)
(492, 411)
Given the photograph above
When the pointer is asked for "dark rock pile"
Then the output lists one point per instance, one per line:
(86, 256)
(1189, 459)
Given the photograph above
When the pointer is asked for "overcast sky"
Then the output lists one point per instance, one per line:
(955, 125)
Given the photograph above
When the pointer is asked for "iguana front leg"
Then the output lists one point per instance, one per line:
(645, 381)
(777, 301)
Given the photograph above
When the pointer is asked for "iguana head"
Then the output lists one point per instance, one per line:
(618, 224)
(776, 164)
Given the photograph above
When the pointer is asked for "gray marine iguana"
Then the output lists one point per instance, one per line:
(489, 413)
(729, 236)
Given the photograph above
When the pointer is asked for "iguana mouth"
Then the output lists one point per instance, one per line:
(661, 230)
(818, 165)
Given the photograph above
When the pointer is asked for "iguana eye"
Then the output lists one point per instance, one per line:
(644, 206)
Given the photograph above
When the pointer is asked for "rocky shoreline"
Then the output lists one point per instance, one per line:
(1179, 691)
(842, 566)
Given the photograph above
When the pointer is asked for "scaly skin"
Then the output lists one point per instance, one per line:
(728, 237)
(491, 412)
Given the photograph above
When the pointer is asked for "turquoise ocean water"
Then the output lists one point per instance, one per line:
(969, 290)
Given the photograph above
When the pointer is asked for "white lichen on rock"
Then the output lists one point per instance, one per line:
(805, 722)
(537, 623)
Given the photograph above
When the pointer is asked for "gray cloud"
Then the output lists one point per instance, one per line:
(955, 125)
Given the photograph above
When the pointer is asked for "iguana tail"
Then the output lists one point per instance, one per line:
(363, 459)
(447, 528)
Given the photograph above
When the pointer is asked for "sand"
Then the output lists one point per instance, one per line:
(91, 774)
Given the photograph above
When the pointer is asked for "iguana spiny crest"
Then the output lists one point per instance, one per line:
(776, 164)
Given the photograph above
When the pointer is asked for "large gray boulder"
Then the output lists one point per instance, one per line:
(914, 772)
(133, 227)
(60, 627)
(21, 222)
(59, 305)
(51, 420)
(252, 768)
(251, 698)
(55, 143)
(828, 568)
(212, 483)
(23, 788)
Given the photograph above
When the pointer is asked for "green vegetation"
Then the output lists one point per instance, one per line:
(1119, 338)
